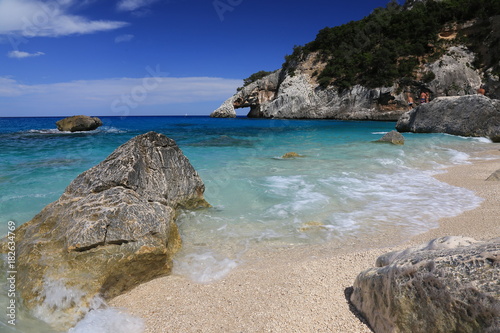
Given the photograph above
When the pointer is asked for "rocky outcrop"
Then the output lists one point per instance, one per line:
(299, 96)
(448, 285)
(473, 115)
(454, 75)
(393, 137)
(226, 110)
(78, 123)
(253, 96)
(112, 229)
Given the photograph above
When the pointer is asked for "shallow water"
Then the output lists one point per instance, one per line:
(342, 186)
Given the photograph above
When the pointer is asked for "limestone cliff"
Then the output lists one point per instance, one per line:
(374, 68)
(299, 96)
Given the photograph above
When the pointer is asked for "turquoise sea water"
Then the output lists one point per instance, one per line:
(342, 186)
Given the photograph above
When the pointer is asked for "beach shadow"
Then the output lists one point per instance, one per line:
(347, 293)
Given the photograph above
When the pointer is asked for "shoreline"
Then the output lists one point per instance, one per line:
(302, 289)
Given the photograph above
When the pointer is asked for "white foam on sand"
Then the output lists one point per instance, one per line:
(99, 318)
(204, 266)
(409, 198)
(109, 320)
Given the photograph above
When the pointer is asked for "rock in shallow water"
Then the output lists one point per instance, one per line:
(78, 123)
(393, 137)
(112, 229)
(291, 155)
(449, 285)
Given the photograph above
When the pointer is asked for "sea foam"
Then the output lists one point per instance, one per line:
(109, 320)
(204, 266)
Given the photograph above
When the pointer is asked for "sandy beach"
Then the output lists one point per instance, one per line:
(302, 289)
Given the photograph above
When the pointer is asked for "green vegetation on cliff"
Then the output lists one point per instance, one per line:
(391, 42)
(254, 77)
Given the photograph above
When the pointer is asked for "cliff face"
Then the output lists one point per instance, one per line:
(299, 96)
(457, 59)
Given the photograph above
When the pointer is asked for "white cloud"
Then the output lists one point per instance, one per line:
(10, 87)
(115, 96)
(131, 5)
(21, 54)
(123, 38)
(35, 18)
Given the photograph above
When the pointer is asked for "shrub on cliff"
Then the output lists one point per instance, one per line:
(254, 77)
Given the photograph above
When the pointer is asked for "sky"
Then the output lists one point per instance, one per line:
(149, 57)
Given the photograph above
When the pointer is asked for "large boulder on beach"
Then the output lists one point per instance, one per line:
(448, 285)
(471, 115)
(78, 123)
(112, 229)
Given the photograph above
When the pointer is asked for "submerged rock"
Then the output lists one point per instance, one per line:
(291, 155)
(472, 115)
(448, 285)
(78, 123)
(393, 137)
(112, 229)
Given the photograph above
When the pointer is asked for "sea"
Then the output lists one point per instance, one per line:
(342, 186)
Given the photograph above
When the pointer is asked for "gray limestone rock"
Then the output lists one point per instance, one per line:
(448, 285)
(112, 229)
(472, 115)
(78, 123)
(299, 97)
(226, 110)
(393, 137)
(454, 73)
(254, 95)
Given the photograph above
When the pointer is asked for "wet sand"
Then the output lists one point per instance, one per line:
(301, 289)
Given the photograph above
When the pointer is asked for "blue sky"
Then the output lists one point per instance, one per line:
(148, 57)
